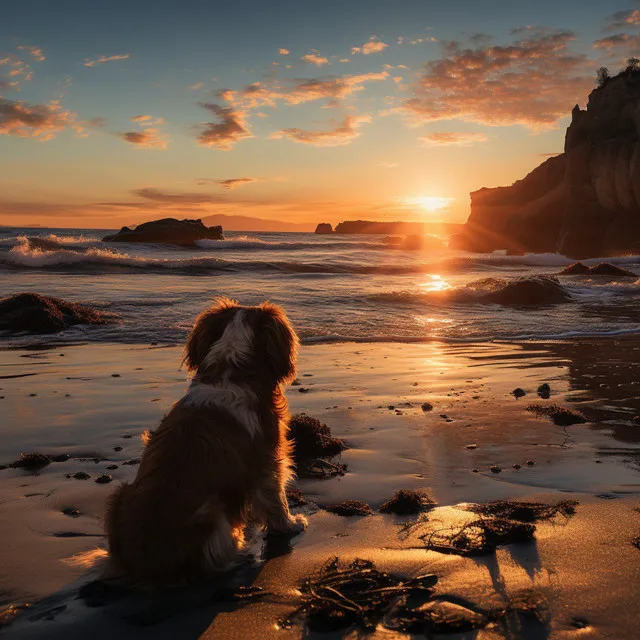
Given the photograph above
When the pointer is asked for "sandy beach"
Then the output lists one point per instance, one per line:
(92, 402)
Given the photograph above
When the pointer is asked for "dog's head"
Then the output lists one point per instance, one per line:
(228, 336)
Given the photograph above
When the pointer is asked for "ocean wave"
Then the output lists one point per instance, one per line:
(546, 260)
(50, 241)
(241, 243)
(526, 291)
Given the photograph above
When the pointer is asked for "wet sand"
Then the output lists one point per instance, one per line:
(91, 400)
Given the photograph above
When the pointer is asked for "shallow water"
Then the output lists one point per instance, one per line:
(335, 288)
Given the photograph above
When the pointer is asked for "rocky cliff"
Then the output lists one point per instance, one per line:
(184, 233)
(369, 227)
(324, 227)
(582, 203)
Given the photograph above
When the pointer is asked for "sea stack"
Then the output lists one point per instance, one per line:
(324, 227)
(182, 233)
(583, 203)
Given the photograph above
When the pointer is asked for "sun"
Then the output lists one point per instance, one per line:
(431, 204)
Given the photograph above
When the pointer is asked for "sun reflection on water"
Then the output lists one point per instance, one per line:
(436, 283)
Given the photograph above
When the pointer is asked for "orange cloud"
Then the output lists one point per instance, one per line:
(150, 193)
(35, 52)
(343, 134)
(284, 52)
(224, 134)
(314, 58)
(533, 82)
(146, 139)
(102, 59)
(229, 183)
(41, 121)
(452, 138)
(622, 19)
(15, 71)
(299, 91)
(373, 46)
(619, 41)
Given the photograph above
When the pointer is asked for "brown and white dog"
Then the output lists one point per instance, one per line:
(219, 460)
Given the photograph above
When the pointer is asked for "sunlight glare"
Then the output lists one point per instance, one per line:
(431, 204)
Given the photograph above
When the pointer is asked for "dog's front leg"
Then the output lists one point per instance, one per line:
(272, 505)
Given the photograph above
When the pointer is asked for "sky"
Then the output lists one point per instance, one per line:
(116, 112)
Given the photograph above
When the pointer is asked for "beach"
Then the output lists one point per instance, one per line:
(92, 402)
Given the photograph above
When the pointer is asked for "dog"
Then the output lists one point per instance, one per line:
(220, 459)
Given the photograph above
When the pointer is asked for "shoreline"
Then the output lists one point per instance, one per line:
(119, 390)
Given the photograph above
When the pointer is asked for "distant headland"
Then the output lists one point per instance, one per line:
(582, 203)
(386, 228)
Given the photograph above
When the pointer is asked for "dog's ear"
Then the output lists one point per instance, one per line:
(208, 327)
(280, 343)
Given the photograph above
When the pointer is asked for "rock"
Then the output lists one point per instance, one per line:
(104, 479)
(516, 466)
(608, 269)
(71, 512)
(324, 228)
(518, 393)
(36, 313)
(112, 467)
(31, 461)
(561, 416)
(182, 233)
(583, 203)
(531, 462)
(576, 269)
(636, 420)
(382, 228)
(495, 469)
(427, 406)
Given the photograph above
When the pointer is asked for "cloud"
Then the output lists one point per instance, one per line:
(35, 52)
(146, 120)
(196, 85)
(532, 82)
(373, 46)
(229, 183)
(102, 59)
(284, 52)
(146, 139)
(25, 120)
(314, 58)
(452, 138)
(343, 134)
(624, 19)
(150, 193)
(231, 128)
(15, 71)
(625, 41)
(299, 91)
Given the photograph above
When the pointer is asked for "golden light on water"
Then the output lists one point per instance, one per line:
(435, 283)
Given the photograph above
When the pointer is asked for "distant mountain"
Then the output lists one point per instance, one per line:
(246, 223)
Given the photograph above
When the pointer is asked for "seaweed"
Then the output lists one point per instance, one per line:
(478, 537)
(357, 594)
(407, 502)
(295, 498)
(313, 445)
(349, 508)
(636, 542)
(561, 416)
(525, 511)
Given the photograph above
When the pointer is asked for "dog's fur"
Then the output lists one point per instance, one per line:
(220, 458)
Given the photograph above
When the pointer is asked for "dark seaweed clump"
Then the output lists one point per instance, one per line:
(349, 508)
(525, 511)
(478, 537)
(357, 594)
(313, 446)
(561, 416)
(407, 502)
(295, 498)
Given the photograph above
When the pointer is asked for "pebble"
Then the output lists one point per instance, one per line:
(117, 448)
(517, 466)
(472, 446)
(303, 390)
(112, 467)
(126, 436)
(104, 479)
(70, 511)
(115, 375)
(531, 462)
(61, 457)
(518, 393)
(495, 469)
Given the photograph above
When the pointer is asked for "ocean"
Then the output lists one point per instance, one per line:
(334, 287)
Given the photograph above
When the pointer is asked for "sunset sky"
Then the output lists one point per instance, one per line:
(119, 112)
